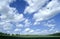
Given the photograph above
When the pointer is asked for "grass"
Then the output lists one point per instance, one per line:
(17, 36)
(12, 37)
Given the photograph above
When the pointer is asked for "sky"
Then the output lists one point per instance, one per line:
(30, 16)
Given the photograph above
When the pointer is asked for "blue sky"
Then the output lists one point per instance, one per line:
(29, 16)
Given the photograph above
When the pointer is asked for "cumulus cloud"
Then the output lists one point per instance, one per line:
(35, 5)
(43, 9)
(7, 26)
(38, 31)
(18, 17)
(27, 29)
(50, 23)
(19, 25)
(17, 30)
(36, 23)
(9, 16)
(51, 29)
(27, 23)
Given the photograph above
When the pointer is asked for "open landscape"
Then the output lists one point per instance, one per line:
(29, 19)
(18, 36)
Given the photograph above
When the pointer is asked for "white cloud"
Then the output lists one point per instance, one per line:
(51, 29)
(18, 17)
(31, 31)
(7, 26)
(53, 4)
(17, 30)
(2, 23)
(27, 23)
(19, 25)
(9, 14)
(27, 30)
(43, 13)
(35, 5)
(57, 31)
(36, 23)
(50, 23)
(30, 2)
(35, 32)
(46, 13)
(39, 31)
(44, 31)
(3, 16)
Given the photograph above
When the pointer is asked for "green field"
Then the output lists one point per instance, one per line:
(18, 36)
(12, 37)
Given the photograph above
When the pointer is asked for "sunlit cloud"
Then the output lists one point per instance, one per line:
(13, 21)
(50, 9)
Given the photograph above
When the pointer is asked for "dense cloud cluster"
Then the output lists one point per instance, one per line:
(44, 9)
(12, 21)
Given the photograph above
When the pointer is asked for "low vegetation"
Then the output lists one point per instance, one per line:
(18, 36)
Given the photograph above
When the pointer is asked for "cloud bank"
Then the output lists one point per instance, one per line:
(9, 16)
(43, 9)
(12, 21)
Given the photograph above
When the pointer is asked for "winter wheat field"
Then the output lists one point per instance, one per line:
(29, 19)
